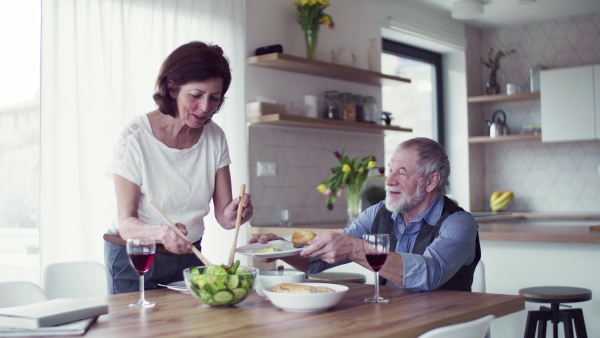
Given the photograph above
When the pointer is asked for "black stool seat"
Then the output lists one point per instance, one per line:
(555, 295)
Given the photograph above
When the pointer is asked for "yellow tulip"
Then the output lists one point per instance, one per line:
(324, 2)
(325, 20)
(371, 164)
(346, 168)
(312, 2)
(322, 188)
(304, 2)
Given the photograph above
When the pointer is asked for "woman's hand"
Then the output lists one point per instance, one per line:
(263, 239)
(230, 211)
(174, 243)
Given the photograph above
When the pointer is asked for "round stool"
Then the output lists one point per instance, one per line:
(344, 277)
(555, 295)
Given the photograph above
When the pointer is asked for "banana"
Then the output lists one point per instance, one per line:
(502, 201)
(495, 195)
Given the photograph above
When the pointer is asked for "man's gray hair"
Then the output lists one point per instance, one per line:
(432, 157)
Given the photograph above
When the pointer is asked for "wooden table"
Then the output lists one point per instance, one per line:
(408, 314)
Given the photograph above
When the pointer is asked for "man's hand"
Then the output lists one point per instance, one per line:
(333, 247)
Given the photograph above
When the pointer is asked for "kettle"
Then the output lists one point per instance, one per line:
(498, 125)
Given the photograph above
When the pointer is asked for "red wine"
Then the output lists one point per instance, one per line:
(376, 260)
(141, 261)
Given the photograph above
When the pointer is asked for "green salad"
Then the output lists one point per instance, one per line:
(217, 285)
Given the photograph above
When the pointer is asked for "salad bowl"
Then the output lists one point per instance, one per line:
(217, 286)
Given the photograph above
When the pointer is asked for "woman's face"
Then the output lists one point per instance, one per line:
(198, 101)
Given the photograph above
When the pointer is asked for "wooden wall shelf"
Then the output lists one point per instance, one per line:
(297, 64)
(504, 97)
(316, 123)
(507, 138)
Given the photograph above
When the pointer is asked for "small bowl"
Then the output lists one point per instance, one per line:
(223, 290)
(271, 278)
(307, 302)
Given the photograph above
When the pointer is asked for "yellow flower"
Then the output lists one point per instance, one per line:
(347, 178)
(310, 14)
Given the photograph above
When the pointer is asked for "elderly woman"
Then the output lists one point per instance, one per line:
(177, 157)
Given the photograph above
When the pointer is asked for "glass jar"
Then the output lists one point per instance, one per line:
(371, 110)
(333, 107)
(348, 110)
(358, 108)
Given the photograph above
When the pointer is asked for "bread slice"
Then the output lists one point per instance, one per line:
(300, 288)
(302, 236)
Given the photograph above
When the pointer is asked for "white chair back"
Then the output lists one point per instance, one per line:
(474, 329)
(75, 280)
(479, 278)
(20, 293)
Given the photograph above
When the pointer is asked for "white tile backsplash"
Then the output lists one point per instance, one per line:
(552, 177)
(304, 158)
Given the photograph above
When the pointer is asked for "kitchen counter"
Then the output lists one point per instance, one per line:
(507, 227)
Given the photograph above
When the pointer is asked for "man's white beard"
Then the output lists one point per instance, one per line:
(406, 203)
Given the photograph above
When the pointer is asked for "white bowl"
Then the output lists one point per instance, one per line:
(307, 302)
(267, 279)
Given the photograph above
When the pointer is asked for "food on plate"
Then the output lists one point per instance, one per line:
(499, 201)
(299, 288)
(217, 285)
(267, 250)
(302, 237)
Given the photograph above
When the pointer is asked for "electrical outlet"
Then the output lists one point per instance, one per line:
(266, 169)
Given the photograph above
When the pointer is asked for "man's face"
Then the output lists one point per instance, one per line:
(404, 187)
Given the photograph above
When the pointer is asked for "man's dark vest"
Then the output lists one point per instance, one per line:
(463, 279)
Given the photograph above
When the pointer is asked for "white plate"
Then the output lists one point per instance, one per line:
(287, 249)
(307, 302)
(178, 286)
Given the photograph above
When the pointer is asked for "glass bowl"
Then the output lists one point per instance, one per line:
(220, 289)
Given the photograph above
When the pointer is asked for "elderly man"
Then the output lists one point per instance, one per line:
(434, 244)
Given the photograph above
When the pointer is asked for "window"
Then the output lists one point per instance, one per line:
(419, 105)
(19, 140)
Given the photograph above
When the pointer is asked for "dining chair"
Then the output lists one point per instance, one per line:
(20, 293)
(473, 329)
(80, 279)
(479, 278)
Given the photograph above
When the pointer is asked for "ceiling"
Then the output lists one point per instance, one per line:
(505, 12)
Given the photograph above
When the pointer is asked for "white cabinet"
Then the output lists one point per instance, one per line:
(569, 102)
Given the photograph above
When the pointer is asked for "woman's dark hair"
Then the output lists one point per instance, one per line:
(194, 61)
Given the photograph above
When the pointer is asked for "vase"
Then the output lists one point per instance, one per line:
(492, 87)
(352, 193)
(311, 36)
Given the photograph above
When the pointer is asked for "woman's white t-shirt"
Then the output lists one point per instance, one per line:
(181, 182)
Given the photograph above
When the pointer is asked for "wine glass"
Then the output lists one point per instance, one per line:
(376, 247)
(141, 255)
